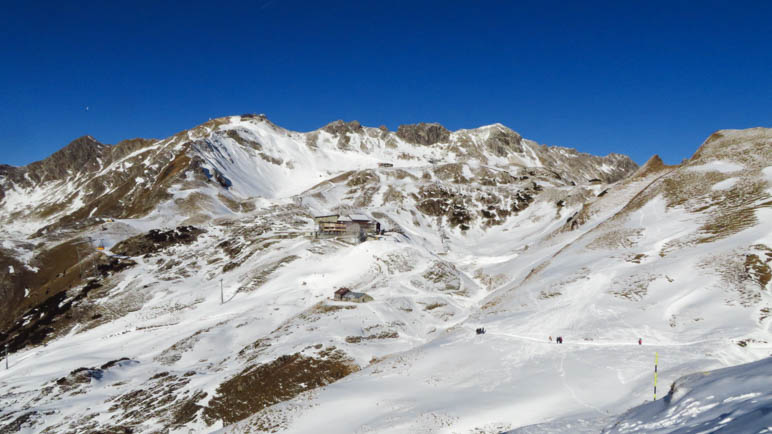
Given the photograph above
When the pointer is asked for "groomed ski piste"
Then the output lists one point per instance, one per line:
(643, 264)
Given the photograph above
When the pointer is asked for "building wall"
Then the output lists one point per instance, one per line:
(329, 218)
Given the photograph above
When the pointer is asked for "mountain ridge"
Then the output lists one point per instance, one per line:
(118, 300)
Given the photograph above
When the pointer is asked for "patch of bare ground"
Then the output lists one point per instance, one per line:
(162, 398)
(393, 196)
(363, 198)
(376, 336)
(748, 147)
(261, 386)
(578, 218)
(44, 320)
(633, 288)
(743, 273)
(402, 174)
(323, 308)
(734, 210)
(543, 295)
(358, 179)
(23, 422)
(744, 342)
(157, 240)
(236, 205)
(621, 238)
(757, 265)
(635, 258)
(764, 313)
(399, 263)
(57, 268)
(443, 275)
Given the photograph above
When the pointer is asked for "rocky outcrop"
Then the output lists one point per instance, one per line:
(157, 240)
(82, 154)
(340, 127)
(341, 130)
(423, 133)
(654, 164)
(504, 141)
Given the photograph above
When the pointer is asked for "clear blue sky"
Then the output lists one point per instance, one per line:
(625, 76)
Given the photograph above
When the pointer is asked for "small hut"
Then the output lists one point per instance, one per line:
(339, 294)
(345, 294)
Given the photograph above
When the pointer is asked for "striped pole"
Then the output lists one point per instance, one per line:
(656, 361)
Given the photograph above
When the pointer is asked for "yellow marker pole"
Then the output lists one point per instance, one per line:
(656, 361)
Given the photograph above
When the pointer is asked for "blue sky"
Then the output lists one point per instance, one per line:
(632, 77)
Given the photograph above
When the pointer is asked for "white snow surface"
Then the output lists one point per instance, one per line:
(725, 184)
(626, 272)
(717, 166)
(736, 399)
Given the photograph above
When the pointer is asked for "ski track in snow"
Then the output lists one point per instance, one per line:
(604, 344)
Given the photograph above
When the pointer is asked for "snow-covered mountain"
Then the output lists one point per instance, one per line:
(487, 229)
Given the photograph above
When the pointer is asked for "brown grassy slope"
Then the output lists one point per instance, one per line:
(261, 386)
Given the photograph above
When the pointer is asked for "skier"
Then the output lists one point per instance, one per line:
(550, 338)
(560, 339)
(640, 341)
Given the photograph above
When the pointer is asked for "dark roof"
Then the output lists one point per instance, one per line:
(342, 291)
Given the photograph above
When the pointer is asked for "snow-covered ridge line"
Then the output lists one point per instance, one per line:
(250, 157)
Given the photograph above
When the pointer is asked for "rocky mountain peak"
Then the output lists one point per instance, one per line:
(81, 154)
(654, 164)
(422, 133)
(503, 140)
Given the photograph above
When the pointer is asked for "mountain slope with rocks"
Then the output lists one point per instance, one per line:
(176, 284)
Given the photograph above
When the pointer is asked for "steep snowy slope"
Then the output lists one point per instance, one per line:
(234, 165)
(140, 337)
(676, 256)
(736, 399)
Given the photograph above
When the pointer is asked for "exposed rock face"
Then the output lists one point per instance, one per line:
(340, 127)
(87, 180)
(423, 133)
(502, 142)
(343, 130)
(654, 164)
(80, 155)
(156, 240)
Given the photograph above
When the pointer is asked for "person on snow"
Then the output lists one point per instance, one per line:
(550, 338)
(640, 341)
(560, 339)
